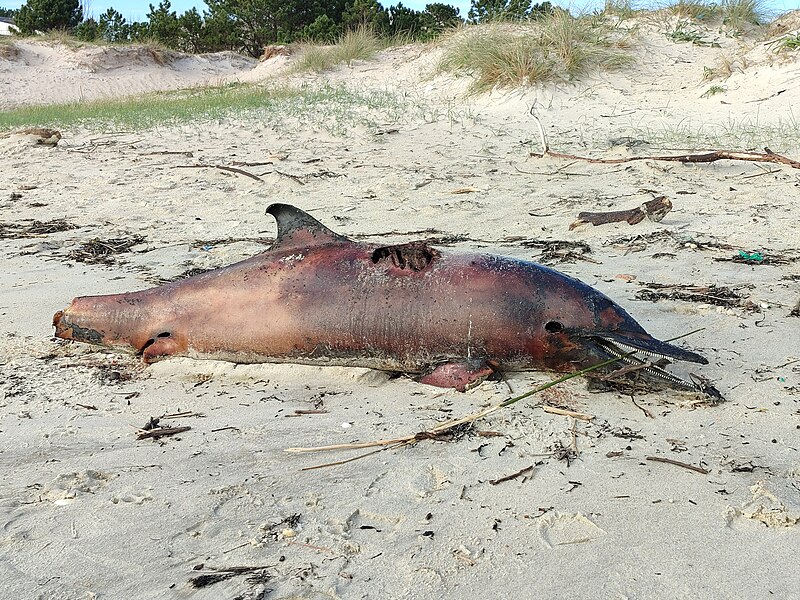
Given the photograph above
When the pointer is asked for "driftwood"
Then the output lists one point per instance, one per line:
(768, 156)
(221, 168)
(160, 432)
(655, 210)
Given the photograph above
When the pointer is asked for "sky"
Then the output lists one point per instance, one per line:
(136, 10)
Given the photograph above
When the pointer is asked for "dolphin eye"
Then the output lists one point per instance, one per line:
(553, 327)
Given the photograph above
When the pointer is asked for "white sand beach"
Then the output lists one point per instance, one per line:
(89, 511)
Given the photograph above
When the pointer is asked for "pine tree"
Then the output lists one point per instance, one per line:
(47, 15)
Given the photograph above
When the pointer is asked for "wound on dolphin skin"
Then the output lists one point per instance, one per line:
(553, 327)
(414, 256)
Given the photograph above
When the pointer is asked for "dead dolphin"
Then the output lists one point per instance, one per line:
(317, 297)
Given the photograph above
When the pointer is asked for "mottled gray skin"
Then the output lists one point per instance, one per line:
(319, 298)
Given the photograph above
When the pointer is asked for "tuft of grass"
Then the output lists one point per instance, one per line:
(787, 43)
(622, 9)
(556, 47)
(682, 32)
(726, 65)
(59, 36)
(738, 15)
(714, 90)
(356, 44)
(334, 108)
(696, 10)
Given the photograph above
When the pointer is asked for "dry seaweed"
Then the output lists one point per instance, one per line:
(711, 294)
(99, 251)
(559, 251)
(32, 228)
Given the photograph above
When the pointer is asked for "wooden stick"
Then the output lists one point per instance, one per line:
(161, 432)
(655, 210)
(678, 464)
(519, 473)
(566, 413)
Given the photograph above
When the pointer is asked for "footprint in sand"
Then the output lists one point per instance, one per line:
(559, 529)
(773, 503)
(69, 486)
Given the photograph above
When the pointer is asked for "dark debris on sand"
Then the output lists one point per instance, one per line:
(32, 228)
(99, 251)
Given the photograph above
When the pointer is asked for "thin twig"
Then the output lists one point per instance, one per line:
(296, 178)
(566, 413)
(222, 168)
(519, 473)
(646, 412)
(678, 463)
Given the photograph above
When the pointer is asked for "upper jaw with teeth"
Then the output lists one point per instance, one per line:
(654, 367)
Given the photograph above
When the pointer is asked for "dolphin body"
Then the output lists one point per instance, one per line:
(316, 297)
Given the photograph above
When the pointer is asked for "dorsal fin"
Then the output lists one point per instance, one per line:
(297, 228)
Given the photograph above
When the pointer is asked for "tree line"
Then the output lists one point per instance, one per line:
(248, 26)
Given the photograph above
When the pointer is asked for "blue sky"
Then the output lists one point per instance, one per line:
(136, 10)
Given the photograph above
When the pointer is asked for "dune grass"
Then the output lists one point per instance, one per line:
(781, 135)
(735, 15)
(334, 108)
(790, 43)
(356, 44)
(556, 47)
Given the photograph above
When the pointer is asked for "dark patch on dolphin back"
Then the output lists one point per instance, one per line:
(414, 256)
(85, 334)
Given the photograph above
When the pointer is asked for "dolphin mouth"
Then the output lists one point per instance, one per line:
(650, 356)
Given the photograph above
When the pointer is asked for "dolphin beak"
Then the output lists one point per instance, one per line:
(650, 347)
(650, 355)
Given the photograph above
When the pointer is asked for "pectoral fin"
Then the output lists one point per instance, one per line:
(459, 375)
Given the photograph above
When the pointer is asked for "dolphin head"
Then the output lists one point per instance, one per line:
(579, 327)
(122, 321)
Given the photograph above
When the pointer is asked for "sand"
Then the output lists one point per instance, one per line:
(89, 511)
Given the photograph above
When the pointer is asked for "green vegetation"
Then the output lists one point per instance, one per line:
(697, 10)
(620, 8)
(734, 15)
(358, 44)
(336, 109)
(782, 136)
(737, 15)
(246, 26)
(682, 33)
(713, 90)
(491, 11)
(556, 46)
(791, 42)
(46, 15)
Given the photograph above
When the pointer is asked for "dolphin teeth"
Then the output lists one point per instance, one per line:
(620, 349)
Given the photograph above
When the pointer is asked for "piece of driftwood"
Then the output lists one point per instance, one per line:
(767, 156)
(160, 432)
(655, 210)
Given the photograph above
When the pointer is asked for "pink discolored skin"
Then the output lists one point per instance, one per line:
(319, 298)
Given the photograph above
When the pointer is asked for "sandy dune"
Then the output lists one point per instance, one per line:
(87, 511)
